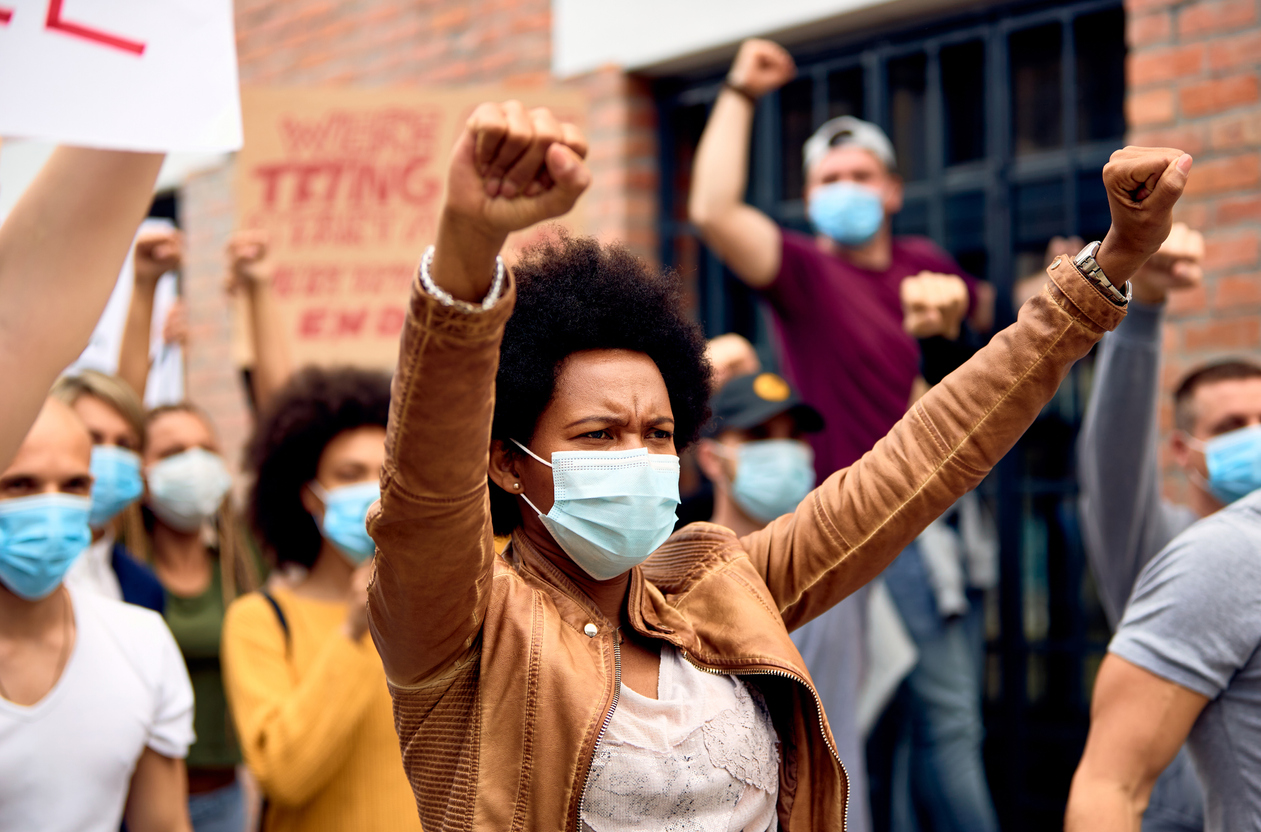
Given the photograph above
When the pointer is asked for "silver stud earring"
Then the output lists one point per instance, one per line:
(516, 486)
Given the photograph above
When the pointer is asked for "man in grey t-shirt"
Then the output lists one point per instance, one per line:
(1185, 665)
(1124, 520)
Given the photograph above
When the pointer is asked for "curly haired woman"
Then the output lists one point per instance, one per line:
(605, 672)
(307, 690)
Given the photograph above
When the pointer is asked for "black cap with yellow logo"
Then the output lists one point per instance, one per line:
(748, 401)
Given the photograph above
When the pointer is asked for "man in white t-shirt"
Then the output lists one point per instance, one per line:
(96, 710)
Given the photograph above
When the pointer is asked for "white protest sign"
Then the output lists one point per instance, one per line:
(127, 74)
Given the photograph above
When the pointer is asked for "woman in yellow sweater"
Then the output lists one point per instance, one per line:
(306, 687)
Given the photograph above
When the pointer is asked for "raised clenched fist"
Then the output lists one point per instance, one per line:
(934, 304)
(731, 356)
(1174, 267)
(513, 167)
(158, 251)
(1143, 184)
(248, 266)
(760, 67)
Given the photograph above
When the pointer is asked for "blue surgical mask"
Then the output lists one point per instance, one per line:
(612, 509)
(1234, 462)
(40, 537)
(185, 490)
(773, 477)
(117, 484)
(847, 212)
(345, 513)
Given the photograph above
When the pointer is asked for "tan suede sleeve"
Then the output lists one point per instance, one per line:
(432, 525)
(854, 524)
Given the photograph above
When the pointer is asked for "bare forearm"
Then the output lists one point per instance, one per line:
(133, 355)
(1097, 805)
(60, 253)
(720, 170)
(62, 247)
(273, 363)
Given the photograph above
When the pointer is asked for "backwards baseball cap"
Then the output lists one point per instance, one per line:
(748, 401)
(844, 131)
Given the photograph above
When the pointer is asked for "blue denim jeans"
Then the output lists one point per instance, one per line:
(932, 776)
(222, 810)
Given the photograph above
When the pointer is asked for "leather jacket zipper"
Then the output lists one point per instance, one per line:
(617, 693)
(818, 707)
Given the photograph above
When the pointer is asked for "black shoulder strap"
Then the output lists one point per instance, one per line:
(280, 615)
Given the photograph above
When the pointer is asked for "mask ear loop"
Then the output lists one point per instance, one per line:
(319, 492)
(1197, 444)
(722, 451)
(540, 459)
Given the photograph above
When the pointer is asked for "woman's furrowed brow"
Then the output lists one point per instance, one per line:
(617, 421)
(602, 420)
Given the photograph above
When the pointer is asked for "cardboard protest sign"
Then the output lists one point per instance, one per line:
(127, 74)
(348, 184)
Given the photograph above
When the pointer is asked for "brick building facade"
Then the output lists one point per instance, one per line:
(1194, 82)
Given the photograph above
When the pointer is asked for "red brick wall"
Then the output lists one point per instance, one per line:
(1194, 78)
(388, 42)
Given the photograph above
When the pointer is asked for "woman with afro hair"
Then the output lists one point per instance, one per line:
(605, 672)
(307, 691)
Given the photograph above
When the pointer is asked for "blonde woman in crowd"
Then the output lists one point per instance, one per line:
(115, 419)
(306, 686)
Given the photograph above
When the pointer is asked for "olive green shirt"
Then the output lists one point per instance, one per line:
(197, 624)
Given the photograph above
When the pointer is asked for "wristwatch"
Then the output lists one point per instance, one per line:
(1089, 268)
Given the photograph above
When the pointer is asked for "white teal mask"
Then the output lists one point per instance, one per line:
(612, 509)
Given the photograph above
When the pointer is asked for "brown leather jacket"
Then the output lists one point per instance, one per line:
(500, 697)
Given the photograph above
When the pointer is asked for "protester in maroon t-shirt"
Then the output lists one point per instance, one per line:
(841, 320)
(844, 345)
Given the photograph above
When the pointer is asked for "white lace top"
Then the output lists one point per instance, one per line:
(702, 757)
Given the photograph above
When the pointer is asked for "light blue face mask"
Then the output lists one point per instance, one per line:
(1234, 462)
(772, 478)
(612, 509)
(40, 538)
(847, 212)
(345, 513)
(118, 482)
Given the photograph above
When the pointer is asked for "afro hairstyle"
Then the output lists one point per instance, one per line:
(574, 294)
(284, 453)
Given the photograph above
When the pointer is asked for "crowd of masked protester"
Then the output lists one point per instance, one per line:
(459, 595)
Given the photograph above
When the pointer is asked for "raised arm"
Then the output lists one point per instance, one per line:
(60, 253)
(157, 252)
(744, 238)
(510, 168)
(250, 276)
(857, 521)
(1124, 520)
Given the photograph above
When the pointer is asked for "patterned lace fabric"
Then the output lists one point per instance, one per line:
(702, 757)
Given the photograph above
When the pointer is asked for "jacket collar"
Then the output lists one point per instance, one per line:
(650, 611)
